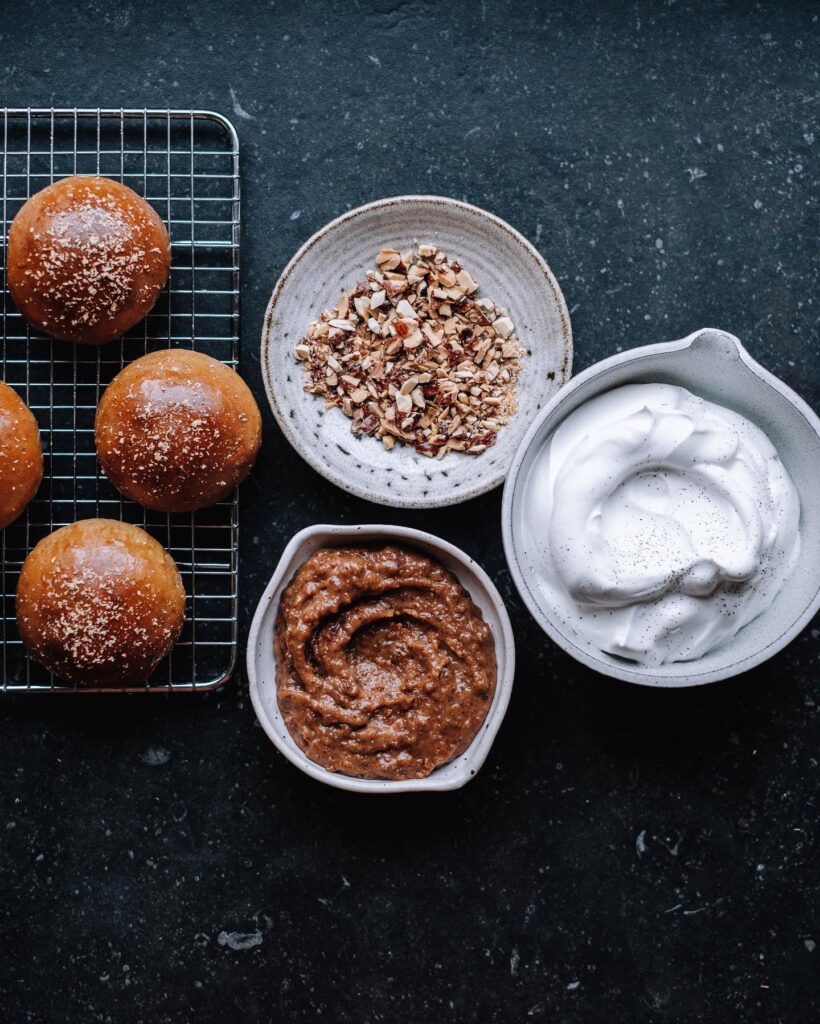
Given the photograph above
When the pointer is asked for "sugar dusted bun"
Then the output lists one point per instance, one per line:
(21, 455)
(100, 603)
(177, 430)
(87, 259)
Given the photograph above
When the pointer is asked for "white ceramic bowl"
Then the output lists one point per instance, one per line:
(262, 667)
(508, 269)
(714, 365)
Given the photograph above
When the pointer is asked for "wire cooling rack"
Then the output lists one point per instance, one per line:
(186, 164)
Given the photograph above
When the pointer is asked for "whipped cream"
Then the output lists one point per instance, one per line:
(664, 523)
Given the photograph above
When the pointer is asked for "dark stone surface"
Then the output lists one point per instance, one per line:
(625, 855)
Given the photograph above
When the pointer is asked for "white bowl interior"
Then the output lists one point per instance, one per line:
(262, 666)
(508, 269)
(711, 364)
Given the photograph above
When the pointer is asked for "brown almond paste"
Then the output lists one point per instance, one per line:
(385, 668)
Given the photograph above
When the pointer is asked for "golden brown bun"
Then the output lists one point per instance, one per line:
(21, 455)
(100, 603)
(87, 259)
(177, 430)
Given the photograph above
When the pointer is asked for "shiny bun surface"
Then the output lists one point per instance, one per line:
(177, 430)
(21, 455)
(87, 259)
(100, 603)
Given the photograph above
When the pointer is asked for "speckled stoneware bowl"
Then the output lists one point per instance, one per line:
(714, 365)
(509, 271)
(262, 664)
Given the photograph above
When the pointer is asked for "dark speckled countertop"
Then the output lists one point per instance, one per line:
(625, 855)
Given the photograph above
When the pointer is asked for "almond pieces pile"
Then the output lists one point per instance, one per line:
(411, 355)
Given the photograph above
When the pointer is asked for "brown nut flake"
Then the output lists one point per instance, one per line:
(410, 355)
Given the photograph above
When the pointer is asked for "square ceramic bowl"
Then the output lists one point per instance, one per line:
(262, 665)
(508, 269)
(715, 366)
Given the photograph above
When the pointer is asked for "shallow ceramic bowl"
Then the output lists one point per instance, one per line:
(714, 365)
(262, 665)
(509, 271)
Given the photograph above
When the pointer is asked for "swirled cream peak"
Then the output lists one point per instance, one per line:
(665, 522)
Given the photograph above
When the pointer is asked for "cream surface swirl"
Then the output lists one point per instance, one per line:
(664, 523)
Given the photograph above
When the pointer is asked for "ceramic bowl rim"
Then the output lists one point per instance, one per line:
(476, 753)
(306, 449)
(643, 675)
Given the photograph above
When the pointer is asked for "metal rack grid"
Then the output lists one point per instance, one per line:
(186, 164)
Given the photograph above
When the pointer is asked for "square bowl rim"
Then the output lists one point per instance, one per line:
(262, 632)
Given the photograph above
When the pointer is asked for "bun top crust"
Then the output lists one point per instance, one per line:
(21, 455)
(87, 259)
(177, 430)
(100, 603)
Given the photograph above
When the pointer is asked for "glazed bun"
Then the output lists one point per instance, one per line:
(21, 455)
(177, 430)
(87, 258)
(100, 603)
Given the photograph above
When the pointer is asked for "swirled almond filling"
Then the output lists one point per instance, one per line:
(385, 668)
